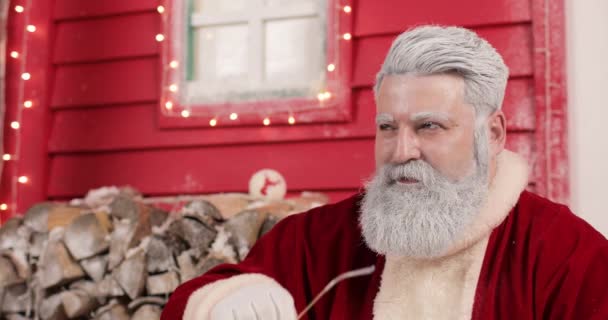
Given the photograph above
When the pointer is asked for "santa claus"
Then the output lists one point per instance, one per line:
(445, 220)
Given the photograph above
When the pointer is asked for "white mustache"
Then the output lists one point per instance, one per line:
(418, 170)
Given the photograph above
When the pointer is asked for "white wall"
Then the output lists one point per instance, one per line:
(587, 70)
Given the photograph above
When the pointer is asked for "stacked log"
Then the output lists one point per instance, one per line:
(116, 255)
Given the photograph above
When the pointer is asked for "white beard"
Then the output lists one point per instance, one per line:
(425, 219)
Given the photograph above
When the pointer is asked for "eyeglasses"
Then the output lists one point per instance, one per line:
(343, 276)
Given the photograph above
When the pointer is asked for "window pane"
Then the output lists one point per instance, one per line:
(219, 6)
(293, 50)
(222, 53)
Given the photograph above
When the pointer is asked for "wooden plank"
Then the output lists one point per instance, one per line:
(28, 145)
(78, 9)
(107, 38)
(390, 16)
(557, 143)
(113, 128)
(9, 169)
(513, 42)
(328, 165)
(115, 82)
(518, 105)
(552, 165)
(36, 121)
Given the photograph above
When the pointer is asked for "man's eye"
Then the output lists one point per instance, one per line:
(430, 125)
(385, 127)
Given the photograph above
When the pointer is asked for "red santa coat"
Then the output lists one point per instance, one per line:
(540, 262)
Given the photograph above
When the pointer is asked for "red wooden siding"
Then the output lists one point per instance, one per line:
(216, 169)
(551, 165)
(78, 9)
(106, 85)
(28, 145)
(107, 38)
(514, 42)
(102, 83)
(393, 16)
(311, 165)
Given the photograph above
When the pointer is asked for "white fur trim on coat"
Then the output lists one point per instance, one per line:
(444, 288)
(510, 180)
(204, 299)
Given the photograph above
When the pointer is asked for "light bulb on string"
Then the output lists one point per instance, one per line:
(347, 36)
(31, 28)
(6, 157)
(322, 96)
(3, 207)
(234, 116)
(23, 179)
(160, 9)
(15, 125)
(173, 64)
(26, 76)
(291, 120)
(168, 105)
(173, 88)
(28, 104)
(185, 113)
(160, 37)
(347, 9)
(19, 9)
(213, 122)
(266, 122)
(331, 67)
(14, 54)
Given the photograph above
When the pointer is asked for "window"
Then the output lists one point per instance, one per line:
(258, 59)
(264, 49)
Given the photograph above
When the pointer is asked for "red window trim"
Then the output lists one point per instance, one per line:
(550, 170)
(335, 110)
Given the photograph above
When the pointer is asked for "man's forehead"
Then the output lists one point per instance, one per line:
(411, 93)
(423, 115)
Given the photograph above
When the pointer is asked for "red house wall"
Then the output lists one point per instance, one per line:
(105, 86)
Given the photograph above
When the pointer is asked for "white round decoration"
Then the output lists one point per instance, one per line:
(267, 183)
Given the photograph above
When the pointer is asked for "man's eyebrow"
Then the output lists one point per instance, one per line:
(441, 116)
(383, 118)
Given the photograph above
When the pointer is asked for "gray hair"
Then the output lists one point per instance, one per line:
(429, 50)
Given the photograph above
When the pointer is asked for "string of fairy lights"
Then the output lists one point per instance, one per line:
(173, 88)
(19, 55)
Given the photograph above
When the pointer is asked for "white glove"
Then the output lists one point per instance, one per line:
(260, 301)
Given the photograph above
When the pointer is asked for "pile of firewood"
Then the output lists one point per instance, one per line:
(114, 255)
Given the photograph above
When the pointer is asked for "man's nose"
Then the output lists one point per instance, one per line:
(407, 148)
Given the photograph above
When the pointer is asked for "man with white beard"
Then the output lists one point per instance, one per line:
(445, 220)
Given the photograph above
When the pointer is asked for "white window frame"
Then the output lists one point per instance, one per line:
(255, 16)
(333, 104)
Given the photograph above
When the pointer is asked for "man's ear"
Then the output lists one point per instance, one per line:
(497, 126)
